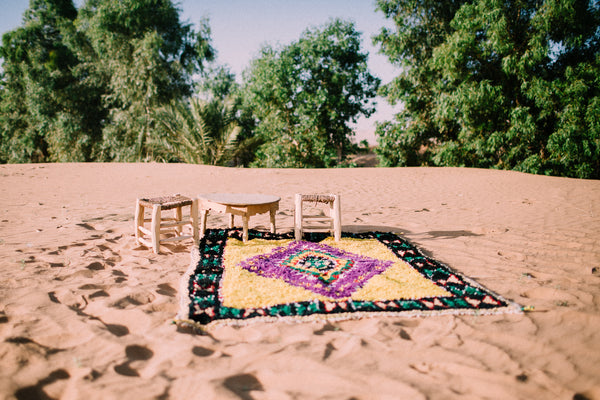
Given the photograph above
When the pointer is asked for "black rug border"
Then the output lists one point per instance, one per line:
(200, 305)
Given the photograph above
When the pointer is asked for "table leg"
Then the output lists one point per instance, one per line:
(273, 227)
(231, 225)
(245, 219)
(203, 217)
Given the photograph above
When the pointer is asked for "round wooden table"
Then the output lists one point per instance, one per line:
(242, 204)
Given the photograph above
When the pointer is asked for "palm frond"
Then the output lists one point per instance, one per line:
(199, 131)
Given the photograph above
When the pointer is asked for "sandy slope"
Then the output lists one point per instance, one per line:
(85, 313)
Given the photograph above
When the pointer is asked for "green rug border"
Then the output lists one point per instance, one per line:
(200, 306)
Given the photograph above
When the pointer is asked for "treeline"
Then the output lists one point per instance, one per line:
(508, 84)
(112, 81)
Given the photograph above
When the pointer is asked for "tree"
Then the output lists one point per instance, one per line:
(43, 109)
(421, 26)
(304, 95)
(219, 83)
(513, 85)
(81, 86)
(146, 58)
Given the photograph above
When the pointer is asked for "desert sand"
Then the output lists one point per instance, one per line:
(86, 313)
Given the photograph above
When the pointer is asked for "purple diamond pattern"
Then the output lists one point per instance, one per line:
(317, 267)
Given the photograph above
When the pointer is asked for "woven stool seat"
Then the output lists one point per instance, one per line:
(167, 202)
(318, 223)
(160, 225)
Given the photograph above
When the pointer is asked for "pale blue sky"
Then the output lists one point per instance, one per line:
(241, 27)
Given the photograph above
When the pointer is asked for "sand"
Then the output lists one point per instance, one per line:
(85, 313)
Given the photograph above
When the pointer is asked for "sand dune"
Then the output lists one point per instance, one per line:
(85, 313)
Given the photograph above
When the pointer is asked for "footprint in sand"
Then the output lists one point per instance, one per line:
(327, 328)
(90, 286)
(408, 323)
(202, 351)
(404, 335)
(105, 253)
(114, 239)
(242, 384)
(166, 290)
(134, 299)
(47, 351)
(95, 266)
(86, 226)
(329, 348)
(133, 353)
(115, 329)
(120, 276)
(37, 391)
(86, 274)
(99, 293)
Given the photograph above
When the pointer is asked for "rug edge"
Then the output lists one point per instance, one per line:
(184, 298)
(511, 308)
(471, 281)
(182, 318)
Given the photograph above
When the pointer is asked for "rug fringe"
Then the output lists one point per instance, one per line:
(513, 308)
(182, 318)
(184, 299)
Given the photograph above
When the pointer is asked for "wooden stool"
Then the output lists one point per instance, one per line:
(318, 223)
(161, 225)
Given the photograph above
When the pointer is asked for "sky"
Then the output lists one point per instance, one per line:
(239, 28)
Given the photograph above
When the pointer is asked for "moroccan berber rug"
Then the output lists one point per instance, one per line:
(273, 277)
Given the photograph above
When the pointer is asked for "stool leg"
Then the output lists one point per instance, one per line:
(194, 219)
(298, 218)
(179, 218)
(139, 220)
(231, 221)
(156, 228)
(337, 218)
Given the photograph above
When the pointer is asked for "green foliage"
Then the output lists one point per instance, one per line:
(574, 147)
(145, 57)
(218, 83)
(421, 25)
(501, 84)
(81, 86)
(198, 131)
(112, 82)
(40, 94)
(303, 96)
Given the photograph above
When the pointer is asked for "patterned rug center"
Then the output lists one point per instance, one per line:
(324, 266)
(317, 267)
(363, 274)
